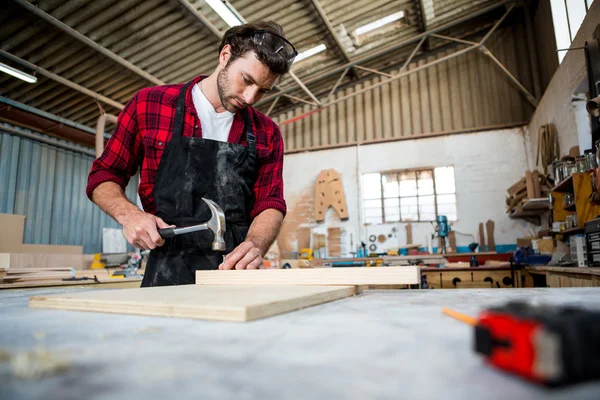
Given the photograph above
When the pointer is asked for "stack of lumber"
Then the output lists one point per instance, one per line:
(17, 275)
(335, 238)
(532, 186)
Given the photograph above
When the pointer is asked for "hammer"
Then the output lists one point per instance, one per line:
(216, 223)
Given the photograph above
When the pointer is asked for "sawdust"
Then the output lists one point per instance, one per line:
(35, 364)
(148, 329)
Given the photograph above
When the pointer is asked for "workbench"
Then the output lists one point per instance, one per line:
(555, 276)
(378, 345)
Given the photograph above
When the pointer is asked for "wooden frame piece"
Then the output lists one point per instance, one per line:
(409, 275)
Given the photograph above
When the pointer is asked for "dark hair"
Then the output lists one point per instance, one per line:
(241, 41)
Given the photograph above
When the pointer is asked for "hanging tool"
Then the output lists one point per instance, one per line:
(551, 345)
(216, 223)
(443, 230)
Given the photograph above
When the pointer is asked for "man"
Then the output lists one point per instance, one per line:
(201, 140)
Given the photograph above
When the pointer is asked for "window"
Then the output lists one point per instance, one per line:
(567, 17)
(409, 195)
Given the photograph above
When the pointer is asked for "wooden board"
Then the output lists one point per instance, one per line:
(104, 283)
(481, 238)
(41, 260)
(11, 234)
(408, 275)
(226, 303)
(489, 227)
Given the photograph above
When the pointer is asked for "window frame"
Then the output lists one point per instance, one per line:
(416, 172)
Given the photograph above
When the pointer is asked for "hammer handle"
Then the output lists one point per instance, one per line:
(166, 232)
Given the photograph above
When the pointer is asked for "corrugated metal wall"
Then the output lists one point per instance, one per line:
(545, 42)
(47, 185)
(466, 92)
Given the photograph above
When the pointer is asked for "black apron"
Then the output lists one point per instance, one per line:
(190, 169)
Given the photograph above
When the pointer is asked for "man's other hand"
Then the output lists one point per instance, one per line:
(245, 256)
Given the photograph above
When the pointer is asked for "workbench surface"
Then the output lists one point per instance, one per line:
(378, 345)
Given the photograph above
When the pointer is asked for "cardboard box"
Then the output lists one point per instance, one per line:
(11, 232)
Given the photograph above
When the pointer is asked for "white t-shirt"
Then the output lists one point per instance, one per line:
(215, 126)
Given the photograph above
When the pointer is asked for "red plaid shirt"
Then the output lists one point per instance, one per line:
(145, 127)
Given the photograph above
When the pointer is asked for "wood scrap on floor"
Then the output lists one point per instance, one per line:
(408, 275)
(225, 303)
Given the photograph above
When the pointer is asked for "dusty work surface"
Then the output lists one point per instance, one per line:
(378, 345)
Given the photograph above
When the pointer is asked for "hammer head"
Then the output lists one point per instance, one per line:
(216, 224)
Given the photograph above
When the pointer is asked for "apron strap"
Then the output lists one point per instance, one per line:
(251, 139)
(180, 112)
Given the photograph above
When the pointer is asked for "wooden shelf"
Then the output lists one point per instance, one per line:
(571, 231)
(533, 208)
(564, 186)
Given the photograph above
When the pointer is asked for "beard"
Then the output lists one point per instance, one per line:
(224, 90)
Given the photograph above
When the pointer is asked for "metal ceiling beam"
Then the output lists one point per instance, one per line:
(201, 17)
(62, 80)
(84, 39)
(394, 47)
(331, 31)
(479, 45)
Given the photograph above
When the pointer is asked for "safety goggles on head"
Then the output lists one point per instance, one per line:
(275, 43)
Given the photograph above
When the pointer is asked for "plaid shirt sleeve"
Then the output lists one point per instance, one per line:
(122, 154)
(268, 189)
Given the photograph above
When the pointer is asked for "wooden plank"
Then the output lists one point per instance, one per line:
(11, 234)
(225, 303)
(530, 186)
(481, 237)
(408, 275)
(42, 260)
(409, 236)
(123, 282)
(489, 227)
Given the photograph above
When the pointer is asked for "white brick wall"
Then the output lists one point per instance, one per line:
(486, 164)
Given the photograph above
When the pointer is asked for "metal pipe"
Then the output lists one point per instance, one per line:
(336, 84)
(373, 71)
(303, 86)
(300, 100)
(46, 115)
(82, 38)
(522, 88)
(273, 105)
(453, 39)
(100, 129)
(46, 140)
(414, 52)
(394, 47)
(496, 25)
(62, 80)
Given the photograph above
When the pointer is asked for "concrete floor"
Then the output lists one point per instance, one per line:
(379, 345)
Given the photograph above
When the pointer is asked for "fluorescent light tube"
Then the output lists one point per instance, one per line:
(310, 52)
(17, 74)
(379, 23)
(224, 12)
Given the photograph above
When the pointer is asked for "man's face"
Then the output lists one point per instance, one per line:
(243, 82)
